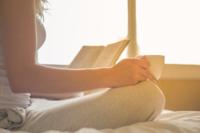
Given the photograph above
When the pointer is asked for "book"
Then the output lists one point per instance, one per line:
(98, 56)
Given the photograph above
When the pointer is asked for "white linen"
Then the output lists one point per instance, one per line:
(167, 122)
(12, 118)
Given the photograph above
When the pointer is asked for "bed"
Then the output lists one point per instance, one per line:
(168, 122)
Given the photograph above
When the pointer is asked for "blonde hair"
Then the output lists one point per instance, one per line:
(40, 6)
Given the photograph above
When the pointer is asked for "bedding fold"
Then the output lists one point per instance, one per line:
(13, 109)
(12, 118)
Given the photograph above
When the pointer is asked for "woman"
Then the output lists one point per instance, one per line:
(119, 106)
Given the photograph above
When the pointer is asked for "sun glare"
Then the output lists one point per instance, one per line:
(166, 27)
(70, 24)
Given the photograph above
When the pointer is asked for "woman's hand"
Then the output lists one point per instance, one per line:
(132, 70)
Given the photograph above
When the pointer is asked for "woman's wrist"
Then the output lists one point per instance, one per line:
(110, 78)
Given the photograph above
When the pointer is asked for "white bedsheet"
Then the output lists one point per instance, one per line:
(167, 122)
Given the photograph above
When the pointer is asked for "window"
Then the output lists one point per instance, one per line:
(170, 28)
(73, 23)
(167, 27)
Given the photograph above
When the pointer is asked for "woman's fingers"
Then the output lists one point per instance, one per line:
(144, 74)
(148, 72)
(144, 60)
(142, 63)
(136, 69)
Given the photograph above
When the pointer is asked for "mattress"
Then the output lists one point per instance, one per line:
(167, 122)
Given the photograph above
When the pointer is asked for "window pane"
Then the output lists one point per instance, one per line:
(73, 23)
(170, 27)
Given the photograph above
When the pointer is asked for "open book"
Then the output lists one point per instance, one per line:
(98, 56)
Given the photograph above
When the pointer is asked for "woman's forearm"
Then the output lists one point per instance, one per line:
(45, 79)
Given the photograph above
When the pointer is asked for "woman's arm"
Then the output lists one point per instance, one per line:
(19, 42)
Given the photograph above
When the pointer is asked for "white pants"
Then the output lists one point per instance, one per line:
(110, 108)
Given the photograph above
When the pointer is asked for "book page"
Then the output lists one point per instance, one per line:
(86, 57)
(110, 54)
(98, 56)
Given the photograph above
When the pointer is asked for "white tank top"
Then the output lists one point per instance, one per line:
(8, 99)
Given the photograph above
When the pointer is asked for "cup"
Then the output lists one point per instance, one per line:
(156, 64)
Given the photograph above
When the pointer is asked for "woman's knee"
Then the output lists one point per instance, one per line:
(153, 99)
(111, 108)
(143, 101)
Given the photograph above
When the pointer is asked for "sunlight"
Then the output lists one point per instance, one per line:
(73, 23)
(166, 27)
(171, 28)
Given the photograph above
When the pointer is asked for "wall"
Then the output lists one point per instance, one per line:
(181, 94)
